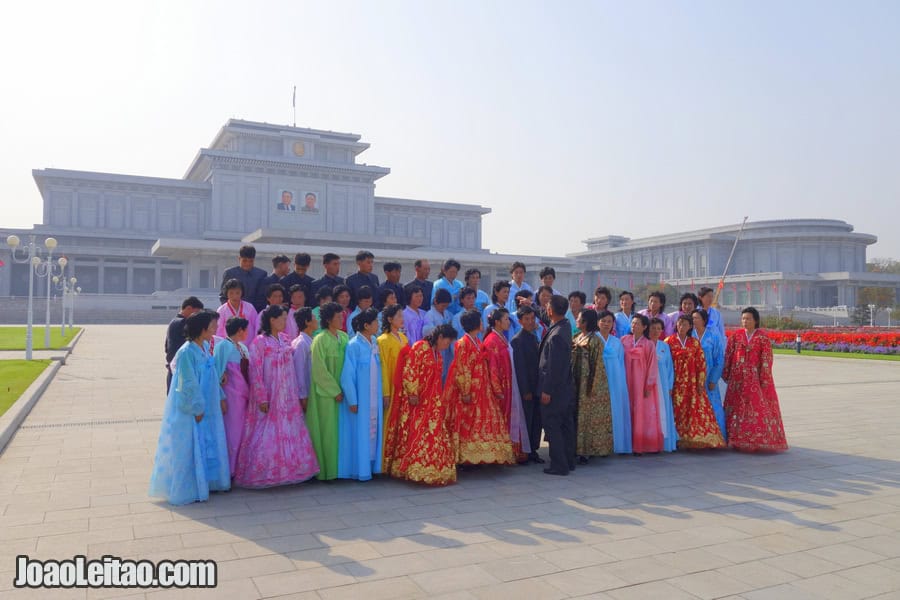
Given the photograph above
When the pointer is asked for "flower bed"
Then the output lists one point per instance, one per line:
(876, 341)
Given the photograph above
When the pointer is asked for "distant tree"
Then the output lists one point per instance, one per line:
(883, 265)
(881, 297)
(642, 291)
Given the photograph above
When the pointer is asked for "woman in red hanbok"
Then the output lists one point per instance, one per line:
(418, 443)
(480, 434)
(503, 385)
(694, 416)
(752, 413)
(641, 373)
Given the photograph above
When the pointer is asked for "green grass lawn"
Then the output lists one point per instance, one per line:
(15, 377)
(13, 338)
(837, 354)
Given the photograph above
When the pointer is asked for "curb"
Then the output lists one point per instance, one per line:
(68, 350)
(10, 421)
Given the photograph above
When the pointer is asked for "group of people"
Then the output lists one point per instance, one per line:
(345, 379)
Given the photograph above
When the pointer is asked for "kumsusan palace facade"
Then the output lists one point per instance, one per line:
(290, 189)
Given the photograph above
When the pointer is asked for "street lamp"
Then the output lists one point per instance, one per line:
(30, 255)
(871, 315)
(67, 287)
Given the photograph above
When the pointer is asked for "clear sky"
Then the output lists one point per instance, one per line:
(569, 119)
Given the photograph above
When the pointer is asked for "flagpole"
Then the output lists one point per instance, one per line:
(294, 105)
(721, 285)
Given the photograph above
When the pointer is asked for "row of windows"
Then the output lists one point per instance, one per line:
(691, 269)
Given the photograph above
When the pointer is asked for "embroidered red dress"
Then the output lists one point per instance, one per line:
(694, 416)
(500, 376)
(418, 446)
(752, 412)
(480, 434)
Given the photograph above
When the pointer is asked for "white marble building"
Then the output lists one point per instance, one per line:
(290, 189)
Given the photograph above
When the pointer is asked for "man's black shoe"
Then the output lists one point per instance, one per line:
(554, 472)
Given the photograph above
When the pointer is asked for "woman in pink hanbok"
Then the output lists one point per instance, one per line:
(276, 449)
(232, 360)
(641, 373)
(236, 306)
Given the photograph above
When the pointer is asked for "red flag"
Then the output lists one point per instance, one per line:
(749, 287)
(721, 284)
(774, 287)
(692, 285)
(2, 264)
(631, 282)
(734, 287)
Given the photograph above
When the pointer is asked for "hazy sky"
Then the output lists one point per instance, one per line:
(569, 119)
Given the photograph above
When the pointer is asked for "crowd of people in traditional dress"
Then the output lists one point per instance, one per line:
(292, 378)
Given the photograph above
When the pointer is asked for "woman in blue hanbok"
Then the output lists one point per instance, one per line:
(714, 351)
(192, 455)
(360, 415)
(614, 361)
(440, 315)
(664, 384)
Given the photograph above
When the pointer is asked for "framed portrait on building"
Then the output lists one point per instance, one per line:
(310, 202)
(286, 201)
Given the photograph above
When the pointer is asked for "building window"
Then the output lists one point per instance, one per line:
(691, 266)
(704, 268)
(679, 267)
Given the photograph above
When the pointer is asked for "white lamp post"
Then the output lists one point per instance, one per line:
(871, 315)
(61, 283)
(30, 255)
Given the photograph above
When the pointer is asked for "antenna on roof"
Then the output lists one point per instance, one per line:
(294, 104)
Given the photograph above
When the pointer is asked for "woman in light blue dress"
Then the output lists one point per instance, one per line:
(664, 384)
(361, 414)
(192, 454)
(714, 351)
(614, 361)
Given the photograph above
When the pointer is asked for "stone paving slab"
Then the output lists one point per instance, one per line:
(820, 521)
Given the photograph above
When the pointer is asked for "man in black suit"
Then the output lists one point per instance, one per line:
(249, 275)
(558, 389)
(175, 333)
(281, 267)
(525, 355)
(299, 277)
(365, 261)
(332, 264)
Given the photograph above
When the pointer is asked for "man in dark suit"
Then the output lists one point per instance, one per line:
(281, 267)
(299, 277)
(332, 264)
(525, 355)
(558, 389)
(175, 333)
(248, 275)
(365, 261)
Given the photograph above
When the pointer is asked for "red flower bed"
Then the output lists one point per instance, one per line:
(882, 339)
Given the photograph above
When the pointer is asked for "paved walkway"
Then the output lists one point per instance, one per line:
(821, 521)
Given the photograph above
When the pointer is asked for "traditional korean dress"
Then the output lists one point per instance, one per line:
(326, 365)
(694, 416)
(389, 347)
(302, 349)
(614, 362)
(714, 353)
(233, 360)
(191, 457)
(360, 434)
(593, 420)
(432, 319)
(276, 449)
(290, 327)
(752, 412)
(454, 287)
(641, 372)
(480, 434)
(418, 444)
(413, 322)
(246, 311)
(505, 390)
(663, 387)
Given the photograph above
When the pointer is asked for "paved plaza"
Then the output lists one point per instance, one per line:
(820, 521)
